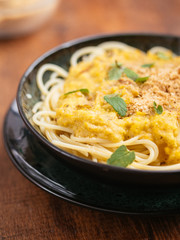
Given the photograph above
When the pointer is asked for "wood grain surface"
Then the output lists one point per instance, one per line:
(27, 212)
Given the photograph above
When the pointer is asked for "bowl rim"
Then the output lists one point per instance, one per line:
(67, 45)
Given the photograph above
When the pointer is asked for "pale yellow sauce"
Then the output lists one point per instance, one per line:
(91, 116)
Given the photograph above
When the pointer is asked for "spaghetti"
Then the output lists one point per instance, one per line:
(64, 120)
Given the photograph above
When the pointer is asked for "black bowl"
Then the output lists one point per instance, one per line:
(61, 56)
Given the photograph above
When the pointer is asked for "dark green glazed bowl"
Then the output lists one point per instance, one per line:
(61, 56)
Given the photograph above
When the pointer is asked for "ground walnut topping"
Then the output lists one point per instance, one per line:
(163, 87)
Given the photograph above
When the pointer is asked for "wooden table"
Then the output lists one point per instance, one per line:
(26, 212)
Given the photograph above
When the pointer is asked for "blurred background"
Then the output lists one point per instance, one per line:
(28, 28)
(20, 17)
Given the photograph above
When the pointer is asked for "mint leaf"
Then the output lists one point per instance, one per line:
(158, 109)
(162, 55)
(82, 90)
(116, 64)
(117, 103)
(131, 74)
(148, 65)
(121, 157)
(142, 79)
(134, 76)
(115, 71)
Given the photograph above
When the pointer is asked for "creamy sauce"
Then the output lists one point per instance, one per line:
(91, 116)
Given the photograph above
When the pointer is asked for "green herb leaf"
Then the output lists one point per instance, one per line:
(142, 79)
(131, 74)
(121, 157)
(82, 90)
(158, 109)
(117, 103)
(134, 76)
(115, 71)
(162, 55)
(148, 65)
(116, 64)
